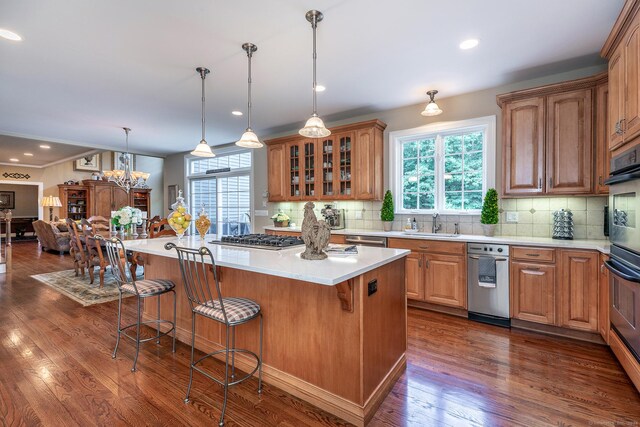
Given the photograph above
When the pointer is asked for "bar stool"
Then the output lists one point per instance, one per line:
(229, 311)
(127, 284)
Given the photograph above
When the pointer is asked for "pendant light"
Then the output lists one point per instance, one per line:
(432, 108)
(249, 139)
(203, 149)
(314, 128)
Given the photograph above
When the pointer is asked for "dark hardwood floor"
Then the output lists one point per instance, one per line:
(56, 370)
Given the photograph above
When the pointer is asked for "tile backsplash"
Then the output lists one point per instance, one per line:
(535, 216)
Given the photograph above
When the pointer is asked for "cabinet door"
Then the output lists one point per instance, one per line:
(533, 289)
(616, 99)
(445, 280)
(344, 158)
(309, 162)
(603, 155)
(569, 142)
(523, 159)
(295, 166)
(414, 277)
(578, 307)
(120, 199)
(329, 176)
(101, 201)
(364, 165)
(631, 56)
(603, 300)
(276, 172)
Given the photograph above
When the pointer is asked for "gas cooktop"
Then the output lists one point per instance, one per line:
(260, 241)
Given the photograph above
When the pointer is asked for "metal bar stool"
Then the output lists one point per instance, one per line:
(231, 312)
(127, 283)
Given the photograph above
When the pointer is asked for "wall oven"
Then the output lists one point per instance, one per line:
(624, 234)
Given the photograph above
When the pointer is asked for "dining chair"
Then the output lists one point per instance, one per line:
(206, 300)
(161, 229)
(95, 256)
(78, 250)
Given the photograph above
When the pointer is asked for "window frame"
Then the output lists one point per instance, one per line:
(440, 130)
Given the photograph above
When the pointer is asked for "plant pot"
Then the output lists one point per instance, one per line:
(387, 225)
(489, 230)
(281, 223)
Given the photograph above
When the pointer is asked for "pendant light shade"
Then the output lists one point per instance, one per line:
(203, 149)
(314, 128)
(432, 108)
(249, 139)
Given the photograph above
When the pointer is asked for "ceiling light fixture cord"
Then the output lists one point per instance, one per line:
(203, 74)
(250, 49)
(314, 25)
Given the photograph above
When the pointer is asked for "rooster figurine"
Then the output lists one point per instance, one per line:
(315, 234)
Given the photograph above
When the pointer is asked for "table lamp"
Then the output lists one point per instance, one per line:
(51, 202)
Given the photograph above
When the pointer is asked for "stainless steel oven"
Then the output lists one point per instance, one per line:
(624, 233)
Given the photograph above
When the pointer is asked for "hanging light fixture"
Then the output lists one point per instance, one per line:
(432, 108)
(314, 128)
(249, 139)
(203, 149)
(126, 178)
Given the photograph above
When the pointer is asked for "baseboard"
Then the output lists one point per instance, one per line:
(626, 359)
(593, 337)
(460, 312)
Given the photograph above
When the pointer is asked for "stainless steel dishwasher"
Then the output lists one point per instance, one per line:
(488, 283)
(380, 242)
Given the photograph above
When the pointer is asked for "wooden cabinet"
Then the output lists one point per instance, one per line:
(602, 153)
(533, 288)
(569, 142)
(622, 50)
(435, 271)
(603, 300)
(74, 200)
(578, 304)
(548, 138)
(141, 199)
(345, 165)
(105, 197)
(275, 170)
(523, 142)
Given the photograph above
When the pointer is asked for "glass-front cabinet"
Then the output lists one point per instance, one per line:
(294, 163)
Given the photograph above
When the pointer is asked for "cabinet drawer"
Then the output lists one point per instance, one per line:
(436, 246)
(533, 254)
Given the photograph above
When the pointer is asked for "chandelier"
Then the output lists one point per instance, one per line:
(126, 178)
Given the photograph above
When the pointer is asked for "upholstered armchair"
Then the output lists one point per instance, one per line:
(50, 237)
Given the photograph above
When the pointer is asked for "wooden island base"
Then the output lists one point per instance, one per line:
(333, 346)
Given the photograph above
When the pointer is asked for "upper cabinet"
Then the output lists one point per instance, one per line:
(622, 50)
(345, 165)
(549, 144)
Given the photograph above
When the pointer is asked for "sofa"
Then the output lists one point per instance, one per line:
(51, 237)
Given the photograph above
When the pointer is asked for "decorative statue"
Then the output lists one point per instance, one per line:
(315, 234)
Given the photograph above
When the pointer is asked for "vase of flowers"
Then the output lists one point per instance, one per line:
(126, 218)
(280, 219)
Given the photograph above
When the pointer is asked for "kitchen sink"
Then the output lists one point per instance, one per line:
(424, 233)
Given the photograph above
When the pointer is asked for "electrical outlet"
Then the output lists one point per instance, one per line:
(512, 216)
(372, 287)
(261, 212)
(358, 214)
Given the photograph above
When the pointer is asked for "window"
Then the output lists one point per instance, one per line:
(445, 167)
(225, 191)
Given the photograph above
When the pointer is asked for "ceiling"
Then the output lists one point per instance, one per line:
(85, 68)
(15, 148)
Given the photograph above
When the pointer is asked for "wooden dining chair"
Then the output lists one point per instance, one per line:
(98, 223)
(160, 229)
(95, 257)
(77, 249)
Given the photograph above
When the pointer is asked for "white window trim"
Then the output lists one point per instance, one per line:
(396, 138)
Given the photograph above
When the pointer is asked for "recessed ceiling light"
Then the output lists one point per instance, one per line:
(469, 44)
(14, 160)
(28, 154)
(237, 113)
(9, 35)
(320, 88)
(45, 146)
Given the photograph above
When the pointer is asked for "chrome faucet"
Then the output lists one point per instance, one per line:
(434, 226)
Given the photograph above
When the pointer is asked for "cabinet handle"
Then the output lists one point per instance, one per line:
(532, 254)
(540, 183)
(426, 263)
(619, 127)
(550, 182)
(600, 180)
(424, 247)
(420, 263)
(601, 268)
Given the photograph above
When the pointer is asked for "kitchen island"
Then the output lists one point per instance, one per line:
(334, 330)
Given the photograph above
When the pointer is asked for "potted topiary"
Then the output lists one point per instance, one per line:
(280, 219)
(489, 215)
(386, 213)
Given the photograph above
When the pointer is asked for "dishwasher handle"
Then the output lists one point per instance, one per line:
(477, 257)
(367, 242)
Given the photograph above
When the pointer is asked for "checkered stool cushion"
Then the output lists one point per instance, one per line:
(238, 309)
(150, 286)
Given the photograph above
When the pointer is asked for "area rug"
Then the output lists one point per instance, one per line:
(79, 289)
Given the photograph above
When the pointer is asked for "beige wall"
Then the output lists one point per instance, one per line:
(26, 199)
(58, 174)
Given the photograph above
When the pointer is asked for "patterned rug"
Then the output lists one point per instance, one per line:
(79, 289)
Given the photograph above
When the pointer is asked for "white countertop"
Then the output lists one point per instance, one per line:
(283, 263)
(596, 245)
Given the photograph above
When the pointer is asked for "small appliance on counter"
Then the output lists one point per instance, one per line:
(334, 217)
(563, 224)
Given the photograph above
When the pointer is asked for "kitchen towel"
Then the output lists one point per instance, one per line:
(487, 272)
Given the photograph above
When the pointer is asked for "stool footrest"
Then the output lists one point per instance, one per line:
(237, 350)
(148, 322)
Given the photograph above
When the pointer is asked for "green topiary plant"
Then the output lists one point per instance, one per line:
(490, 207)
(386, 213)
